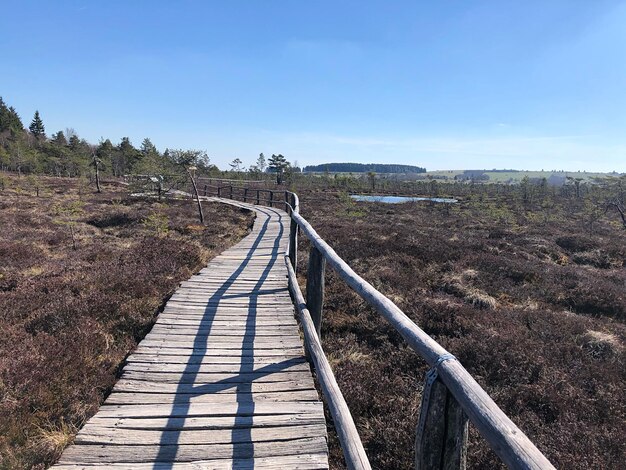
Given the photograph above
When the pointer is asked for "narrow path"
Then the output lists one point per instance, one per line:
(221, 381)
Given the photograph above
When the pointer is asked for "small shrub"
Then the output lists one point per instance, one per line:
(157, 223)
(4, 182)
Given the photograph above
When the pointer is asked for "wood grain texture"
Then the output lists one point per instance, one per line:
(315, 288)
(441, 443)
(221, 380)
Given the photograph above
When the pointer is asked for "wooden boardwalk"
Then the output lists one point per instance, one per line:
(221, 380)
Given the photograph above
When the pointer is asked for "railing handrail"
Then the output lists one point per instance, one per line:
(505, 438)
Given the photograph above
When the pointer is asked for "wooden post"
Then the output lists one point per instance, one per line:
(315, 287)
(231, 192)
(245, 194)
(293, 236)
(257, 197)
(441, 438)
(205, 189)
(219, 191)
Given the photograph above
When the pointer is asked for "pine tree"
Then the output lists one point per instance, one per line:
(148, 148)
(36, 126)
(59, 138)
(260, 162)
(9, 119)
(235, 165)
(278, 164)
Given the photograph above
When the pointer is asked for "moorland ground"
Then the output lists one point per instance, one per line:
(82, 276)
(529, 296)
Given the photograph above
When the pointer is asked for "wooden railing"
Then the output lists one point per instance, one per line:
(450, 396)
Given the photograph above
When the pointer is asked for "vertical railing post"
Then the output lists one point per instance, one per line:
(231, 192)
(257, 196)
(441, 438)
(271, 198)
(219, 191)
(293, 236)
(205, 188)
(315, 288)
(245, 194)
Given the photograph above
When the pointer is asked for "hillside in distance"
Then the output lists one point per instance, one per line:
(363, 168)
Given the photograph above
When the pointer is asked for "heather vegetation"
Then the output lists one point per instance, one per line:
(82, 276)
(525, 284)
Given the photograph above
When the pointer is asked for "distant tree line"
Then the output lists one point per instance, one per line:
(64, 153)
(363, 168)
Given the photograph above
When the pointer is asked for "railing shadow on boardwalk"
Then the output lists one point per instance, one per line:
(243, 446)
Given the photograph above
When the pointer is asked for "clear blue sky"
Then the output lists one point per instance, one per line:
(442, 84)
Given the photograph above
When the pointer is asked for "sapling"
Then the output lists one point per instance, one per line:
(68, 215)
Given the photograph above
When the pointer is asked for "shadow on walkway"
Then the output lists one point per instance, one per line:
(243, 446)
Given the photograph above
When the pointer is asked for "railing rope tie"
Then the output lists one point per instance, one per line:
(431, 376)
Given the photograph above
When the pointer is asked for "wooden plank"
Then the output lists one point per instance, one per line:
(204, 378)
(220, 352)
(214, 368)
(138, 398)
(222, 342)
(207, 422)
(115, 436)
(129, 385)
(187, 453)
(241, 331)
(256, 361)
(296, 462)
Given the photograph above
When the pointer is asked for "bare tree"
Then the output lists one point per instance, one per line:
(191, 171)
(96, 163)
(619, 206)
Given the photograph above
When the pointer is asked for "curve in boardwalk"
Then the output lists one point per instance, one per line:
(221, 380)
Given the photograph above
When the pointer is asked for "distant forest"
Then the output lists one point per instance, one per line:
(363, 168)
(64, 153)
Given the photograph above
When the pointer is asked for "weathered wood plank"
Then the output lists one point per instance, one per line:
(186, 453)
(252, 361)
(220, 352)
(292, 462)
(138, 398)
(108, 435)
(204, 378)
(216, 368)
(128, 385)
